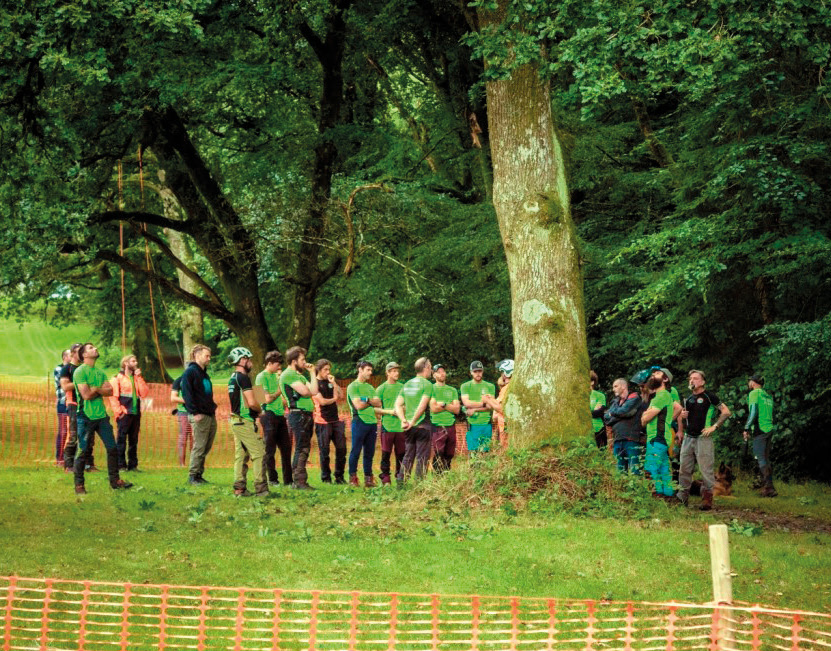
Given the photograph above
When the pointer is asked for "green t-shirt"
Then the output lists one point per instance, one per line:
(288, 377)
(413, 391)
(362, 390)
(388, 394)
(447, 395)
(474, 392)
(597, 399)
(764, 403)
(660, 428)
(92, 377)
(271, 384)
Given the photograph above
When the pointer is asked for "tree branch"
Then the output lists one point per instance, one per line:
(181, 226)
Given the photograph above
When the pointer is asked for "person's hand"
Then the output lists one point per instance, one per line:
(405, 425)
(198, 417)
(746, 435)
(684, 414)
(331, 378)
(707, 431)
(309, 366)
(137, 371)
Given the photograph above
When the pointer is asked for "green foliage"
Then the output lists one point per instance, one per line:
(744, 528)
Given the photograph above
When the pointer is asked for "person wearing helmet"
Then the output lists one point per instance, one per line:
(506, 371)
(248, 444)
(658, 419)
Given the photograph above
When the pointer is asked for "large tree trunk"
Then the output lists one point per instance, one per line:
(549, 395)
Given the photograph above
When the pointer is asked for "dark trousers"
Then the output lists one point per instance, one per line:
(328, 434)
(86, 432)
(392, 441)
(364, 436)
(127, 435)
(444, 447)
(71, 445)
(276, 437)
(300, 423)
(600, 438)
(761, 450)
(418, 450)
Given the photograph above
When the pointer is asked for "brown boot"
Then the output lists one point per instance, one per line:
(369, 482)
(706, 500)
(353, 480)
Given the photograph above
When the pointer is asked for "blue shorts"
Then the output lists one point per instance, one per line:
(479, 437)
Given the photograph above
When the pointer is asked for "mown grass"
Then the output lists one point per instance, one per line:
(33, 349)
(391, 540)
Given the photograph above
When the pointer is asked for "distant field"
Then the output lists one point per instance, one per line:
(32, 350)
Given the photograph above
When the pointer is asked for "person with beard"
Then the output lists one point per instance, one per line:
(129, 388)
(658, 419)
(92, 386)
(70, 446)
(299, 393)
(248, 444)
(273, 420)
(197, 392)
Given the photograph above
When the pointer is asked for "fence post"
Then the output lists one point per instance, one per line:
(722, 584)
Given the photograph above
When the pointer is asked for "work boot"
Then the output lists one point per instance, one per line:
(91, 469)
(80, 490)
(706, 500)
(767, 483)
(340, 480)
(242, 492)
(120, 484)
(683, 498)
(302, 486)
(261, 489)
(353, 480)
(201, 480)
(369, 481)
(385, 480)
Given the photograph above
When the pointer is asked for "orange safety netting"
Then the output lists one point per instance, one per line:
(62, 614)
(29, 422)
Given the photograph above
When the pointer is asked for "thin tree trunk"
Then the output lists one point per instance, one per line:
(549, 395)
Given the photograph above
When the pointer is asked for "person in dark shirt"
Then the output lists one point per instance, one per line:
(71, 444)
(699, 414)
(623, 416)
(248, 444)
(197, 392)
(329, 427)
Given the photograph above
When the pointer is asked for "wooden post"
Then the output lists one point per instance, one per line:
(722, 583)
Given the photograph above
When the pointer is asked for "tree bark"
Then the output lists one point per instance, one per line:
(549, 395)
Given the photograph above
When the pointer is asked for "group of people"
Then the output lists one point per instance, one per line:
(81, 388)
(648, 421)
(645, 422)
(292, 404)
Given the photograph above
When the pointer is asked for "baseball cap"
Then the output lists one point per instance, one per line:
(666, 372)
(392, 365)
(436, 367)
(476, 366)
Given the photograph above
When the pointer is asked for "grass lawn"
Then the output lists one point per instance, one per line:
(32, 350)
(390, 540)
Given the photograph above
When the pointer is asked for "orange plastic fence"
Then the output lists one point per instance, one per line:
(62, 615)
(29, 423)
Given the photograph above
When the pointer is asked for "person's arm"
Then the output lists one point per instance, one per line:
(66, 384)
(337, 391)
(142, 390)
(320, 400)
(176, 398)
(250, 400)
(422, 406)
(399, 411)
(724, 414)
(649, 414)
(117, 407)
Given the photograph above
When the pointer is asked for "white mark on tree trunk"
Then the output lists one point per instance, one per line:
(534, 311)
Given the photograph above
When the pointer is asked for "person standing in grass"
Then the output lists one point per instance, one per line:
(181, 413)
(392, 434)
(329, 427)
(92, 386)
(60, 408)
(475, 394)
(658, 421)
(597, 405)
(198, 395)
(506, 372)
(71, 444)
(273, 420)
(759, 425)
(298, 392)
(362, 402)
(248, 444)
(623, 416)
(444, 406)
(413, 410)
(700, 409)
(129, 388)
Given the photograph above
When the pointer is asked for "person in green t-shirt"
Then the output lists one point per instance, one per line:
(658, 421)
(272, 418)
(392, 434)
(475, 398)
(360, 395)
(413, 409)
(248, 443)
(298, 392)
(597, 405)
(92, 386)
(444, 406)
(759, 425)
